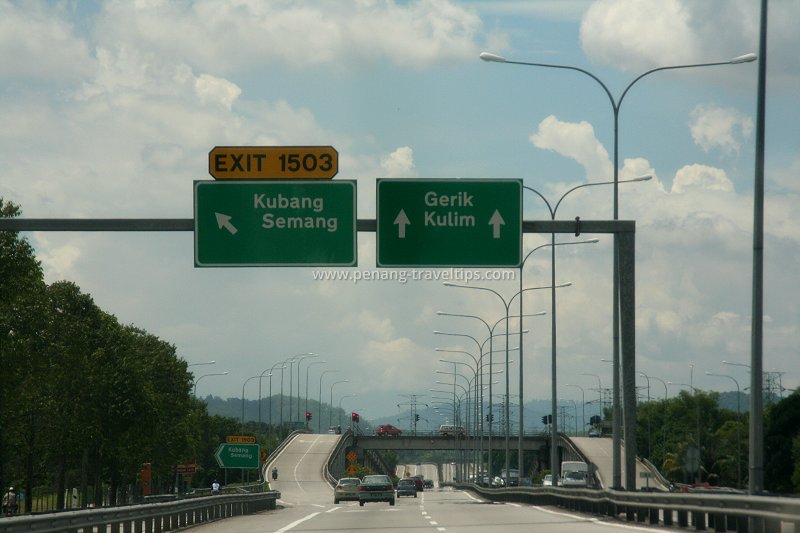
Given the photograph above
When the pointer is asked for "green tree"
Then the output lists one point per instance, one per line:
(781, 430)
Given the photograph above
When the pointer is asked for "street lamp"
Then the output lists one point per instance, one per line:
(243, 384)
(291, 360)
(271, 370)
(583, 405)
(205, 376)
(307, 369)
(330, 414)
(299, 360)
(555, 468)
(340, 405)
(615, 106)
(260, 377)
(553, 244)
(479, 362)
(198, 364)
(330, 407)
(507, 305)
(666, 393)
(738, 427)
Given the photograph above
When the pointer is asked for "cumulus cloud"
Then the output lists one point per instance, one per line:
(211, 89)
(400, 163)
(715, 127)
(702, 178)
(420, 32)
(36, 42)
(576, 141)
(630, 33)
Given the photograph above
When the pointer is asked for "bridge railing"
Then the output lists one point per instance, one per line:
(152, 517)
(721, 512)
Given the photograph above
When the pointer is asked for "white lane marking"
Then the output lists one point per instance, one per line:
(434, 523)
(441, 529)
(591, 519)
(295, 523)
(296, 466)
(332, 509)
(513, 504)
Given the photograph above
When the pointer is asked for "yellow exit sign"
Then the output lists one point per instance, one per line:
(240, 439)
(273, 162)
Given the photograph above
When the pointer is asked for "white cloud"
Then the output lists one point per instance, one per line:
(715, 127)
(212, 36)
(701, 177)
(36, 42)
(576, 141)
(633, 33)
(215, 90)
(399, 164)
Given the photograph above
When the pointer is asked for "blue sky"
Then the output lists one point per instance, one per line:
(110, 108)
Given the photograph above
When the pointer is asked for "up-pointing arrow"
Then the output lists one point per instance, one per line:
(401, 221)
(496, 221)
(224, 221)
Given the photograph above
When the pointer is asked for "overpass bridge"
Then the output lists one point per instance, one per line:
(434, 441)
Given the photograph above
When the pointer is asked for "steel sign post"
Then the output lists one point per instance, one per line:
(449, 223)
(276, 223)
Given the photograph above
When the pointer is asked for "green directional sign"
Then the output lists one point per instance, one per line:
(237, 455)
(275, 223)
(449, 223)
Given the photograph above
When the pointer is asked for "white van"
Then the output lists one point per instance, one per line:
(447, 430)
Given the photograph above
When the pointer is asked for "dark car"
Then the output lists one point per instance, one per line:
(419, 481)
(428, 483)
(407, 487)
(376, 488)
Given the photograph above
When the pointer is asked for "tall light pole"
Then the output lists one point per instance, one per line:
(291, 360)
(205, 376)
(738, 427)
(583, 405)
(330, 415)
(257, 376)
(299, 360)
(554, 466)
(664, 425)
(552, 246)
(615, 106)
(507, 305)
(271, 371)
(340, 405)
(260, 377)
(199, 364)
(477, 376)
(330, 407)
(307, 369)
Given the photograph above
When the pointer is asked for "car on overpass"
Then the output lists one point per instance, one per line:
(387, 430)
(448, 430)
(376, 488)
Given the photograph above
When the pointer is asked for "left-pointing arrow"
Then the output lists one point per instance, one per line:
(224, 221)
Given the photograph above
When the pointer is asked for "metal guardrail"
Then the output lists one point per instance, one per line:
(722, 512)
(153, 517)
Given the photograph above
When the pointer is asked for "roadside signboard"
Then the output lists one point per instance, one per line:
(273, 162)
(449, 223)
(240, 439)
(237, 455)
(276, 223)
(190, 468)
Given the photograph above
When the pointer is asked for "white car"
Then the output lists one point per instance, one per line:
(548, 480)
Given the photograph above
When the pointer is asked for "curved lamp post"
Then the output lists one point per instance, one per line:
(205, 376)
(330, 414)
(615, 106)
(330, 407)
(738, 427)
(307, 369)
(507, 305)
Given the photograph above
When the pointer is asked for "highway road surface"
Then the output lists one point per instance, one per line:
(306, 505)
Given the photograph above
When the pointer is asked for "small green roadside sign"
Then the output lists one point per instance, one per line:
(275, 223)
(237, 455)
(449, 223)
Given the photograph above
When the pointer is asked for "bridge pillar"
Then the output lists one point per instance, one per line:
(683, 518)
(666, 517)
(699, 520)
